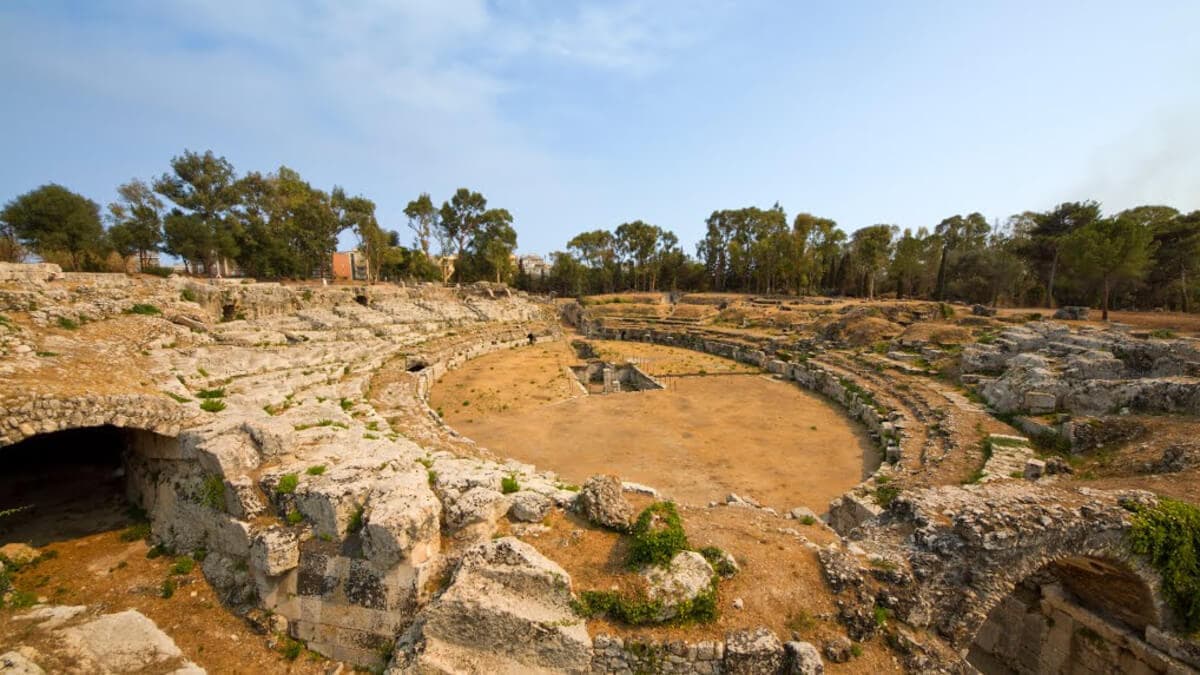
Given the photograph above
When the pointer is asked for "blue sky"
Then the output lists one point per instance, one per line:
(582, 115)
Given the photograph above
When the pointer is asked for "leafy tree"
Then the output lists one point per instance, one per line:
(567, 274)
(205, 188)
(597, 249)
(1049, 233)
(494, 244)
(1177, 256)
(423, 220)
(637, 242)
(53, 220)
(958, 234)
(11, 249)
(460, 221)
(870, 248)
(187, 236)
(1111, 250)
(136, 221)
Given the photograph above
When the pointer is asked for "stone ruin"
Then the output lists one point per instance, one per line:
(334, 504)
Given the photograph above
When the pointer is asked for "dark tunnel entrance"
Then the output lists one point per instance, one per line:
(65, 484)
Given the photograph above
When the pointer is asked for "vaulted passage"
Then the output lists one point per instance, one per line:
(68, 484)
(1076, 615)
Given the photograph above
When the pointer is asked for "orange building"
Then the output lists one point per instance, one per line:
(350, 265)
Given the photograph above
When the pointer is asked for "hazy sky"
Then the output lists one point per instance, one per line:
(578, 116)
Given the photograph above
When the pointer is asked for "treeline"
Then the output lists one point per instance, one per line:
(272, 226)
(1145, 257)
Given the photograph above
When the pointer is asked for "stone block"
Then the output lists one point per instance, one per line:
(1040, 403)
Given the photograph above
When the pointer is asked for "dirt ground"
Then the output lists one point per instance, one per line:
(699, 439)
(1180, 323)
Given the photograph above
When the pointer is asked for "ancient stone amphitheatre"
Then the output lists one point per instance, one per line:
(234, 476)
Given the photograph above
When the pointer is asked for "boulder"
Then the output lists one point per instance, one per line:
(838, 649)
(683, 580)
(122, 642)
(19, 554)
(16, 663)
(1072, 313)
(803, 659)
(275, 550)
(983, 310)
(601, 501)
(753, 652)
(477, 505)
(529, 507)
(507, 609)
(402, 520)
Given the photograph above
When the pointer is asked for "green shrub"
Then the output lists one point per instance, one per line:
(1168, 534)
(290, 648)
(433, 475)
(509, 485)
(719, 561)
(315, 470)
(808, 520)
(67, 324)
(184, 564)
(211, 393)
(294, 517)
(214, 492)
(287, 484)
(356, 520)
(187, 295)
(167, 589)
(642, 611)
(347, 404)
(657, 536)
(144, 310)
(1163, 334)
(886, 494)
(156, 551)
(21, 600)
(212, 405)
(136, 532)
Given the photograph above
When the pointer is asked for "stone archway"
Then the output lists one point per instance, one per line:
(1081, 612)
(73, 482)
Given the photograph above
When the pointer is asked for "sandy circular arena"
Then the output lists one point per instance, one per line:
(717, 428)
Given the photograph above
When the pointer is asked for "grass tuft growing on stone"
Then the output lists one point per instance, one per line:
(657, 536)
(67, 324)
(214, 492)
(287, 484)
(719, 561)
(509, 485)
(317, 470)
(177, 397)
(211, 393)
(212, 405)
(1168, 534)
(144, 310)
